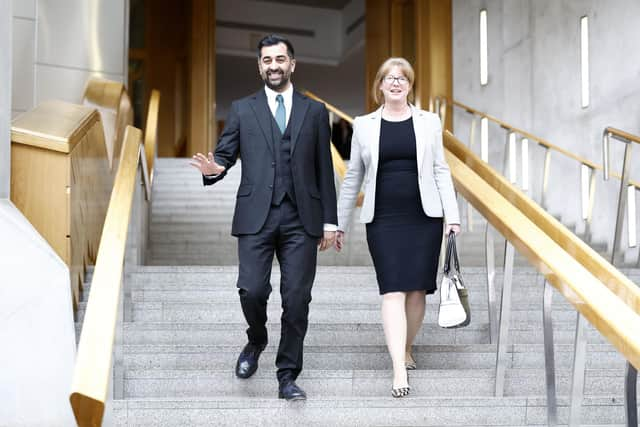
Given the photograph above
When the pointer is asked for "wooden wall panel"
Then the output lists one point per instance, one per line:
(202, 82)
(377, 43)
(166, 58)
(434, 58)
(61, 180)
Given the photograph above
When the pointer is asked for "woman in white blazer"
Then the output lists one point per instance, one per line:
(397, 152)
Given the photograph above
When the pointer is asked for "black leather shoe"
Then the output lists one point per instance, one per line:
(290, 391)
(247, 363)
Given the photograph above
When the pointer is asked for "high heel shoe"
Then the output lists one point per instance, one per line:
(400, 391)
(410, 363)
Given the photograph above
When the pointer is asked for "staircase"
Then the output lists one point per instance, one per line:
(184, 329)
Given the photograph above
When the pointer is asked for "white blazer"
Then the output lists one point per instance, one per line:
(434, 178)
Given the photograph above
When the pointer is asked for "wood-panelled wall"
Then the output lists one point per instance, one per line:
(434, 34)
(421, 32)
(179, 61)
(203, 129)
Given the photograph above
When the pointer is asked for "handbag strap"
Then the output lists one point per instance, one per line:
(454, 252)
(449, 252)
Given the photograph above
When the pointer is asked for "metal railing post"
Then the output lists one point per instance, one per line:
(472, 139)
(491, 287)
(631, 374)
(577, 373)
(549, 355)
(545, 178)
(505, 319)
(587, 196)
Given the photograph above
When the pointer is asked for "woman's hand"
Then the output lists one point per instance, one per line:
(339, 240)
(452, 227)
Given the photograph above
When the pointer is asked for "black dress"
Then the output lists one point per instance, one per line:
(403, 241)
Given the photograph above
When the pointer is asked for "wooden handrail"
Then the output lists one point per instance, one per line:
(335, 110)
(151, 132)
(622, 134)
(550, 251)
(110, 96)
(543, 141)
(92, 370)
(617, 282)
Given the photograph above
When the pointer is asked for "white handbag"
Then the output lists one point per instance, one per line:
(451, 313)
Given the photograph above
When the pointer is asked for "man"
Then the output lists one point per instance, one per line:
(286, 204)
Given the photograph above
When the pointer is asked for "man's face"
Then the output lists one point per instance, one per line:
(275, 66)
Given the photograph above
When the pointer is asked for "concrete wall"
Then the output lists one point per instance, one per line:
(534, 84)
(36, 327)
(59, 44)
(5, 97)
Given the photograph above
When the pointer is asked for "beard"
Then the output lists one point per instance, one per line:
(280, 79)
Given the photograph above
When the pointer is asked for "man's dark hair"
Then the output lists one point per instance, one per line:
(272, 40)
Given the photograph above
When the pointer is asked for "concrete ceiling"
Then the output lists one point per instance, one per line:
(321, 4)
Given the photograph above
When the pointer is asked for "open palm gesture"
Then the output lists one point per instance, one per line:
(206, 165)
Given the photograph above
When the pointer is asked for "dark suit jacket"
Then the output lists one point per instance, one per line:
(248, 132)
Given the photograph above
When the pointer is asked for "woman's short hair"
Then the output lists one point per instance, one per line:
(384, 69)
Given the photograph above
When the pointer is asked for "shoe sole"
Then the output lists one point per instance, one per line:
(292, 399)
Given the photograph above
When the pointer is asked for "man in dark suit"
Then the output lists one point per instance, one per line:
(286, 204)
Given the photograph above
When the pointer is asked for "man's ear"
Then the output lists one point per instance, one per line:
(293, 65)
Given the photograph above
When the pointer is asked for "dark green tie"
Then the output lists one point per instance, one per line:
(281, 116)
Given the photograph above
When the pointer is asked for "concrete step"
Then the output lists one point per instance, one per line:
(269, 411)
(364, 357)
(332, 334)
(522, 296)
(159, 383)
(319, 313)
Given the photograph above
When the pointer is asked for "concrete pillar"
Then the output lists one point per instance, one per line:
(5, 97)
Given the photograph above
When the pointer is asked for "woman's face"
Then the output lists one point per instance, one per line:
(395, 85)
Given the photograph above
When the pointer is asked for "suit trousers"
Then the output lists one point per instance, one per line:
(283, 235)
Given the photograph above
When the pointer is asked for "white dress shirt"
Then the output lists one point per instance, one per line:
(287, 95)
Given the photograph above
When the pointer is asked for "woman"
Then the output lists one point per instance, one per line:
(397, 151)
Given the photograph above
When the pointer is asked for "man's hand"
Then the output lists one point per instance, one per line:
(327, 240)
(339, 240)
(452, 227)
(207, 166)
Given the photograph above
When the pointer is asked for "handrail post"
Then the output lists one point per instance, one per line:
(472, 139)
(524, 150)
(631, 373)
(545, 178)
(549, 355)
(578, 372)
(505, 319)
(587, 196)
(624, 182)
(491, 288)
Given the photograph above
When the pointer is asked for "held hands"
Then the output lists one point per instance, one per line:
(339, 240)
(327, 240)
(452, 227)
(207, 166)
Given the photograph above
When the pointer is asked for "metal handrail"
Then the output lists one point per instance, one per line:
(442, 100)
(588, 169)
(624, 200)
(92, 371)
(625, 290)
